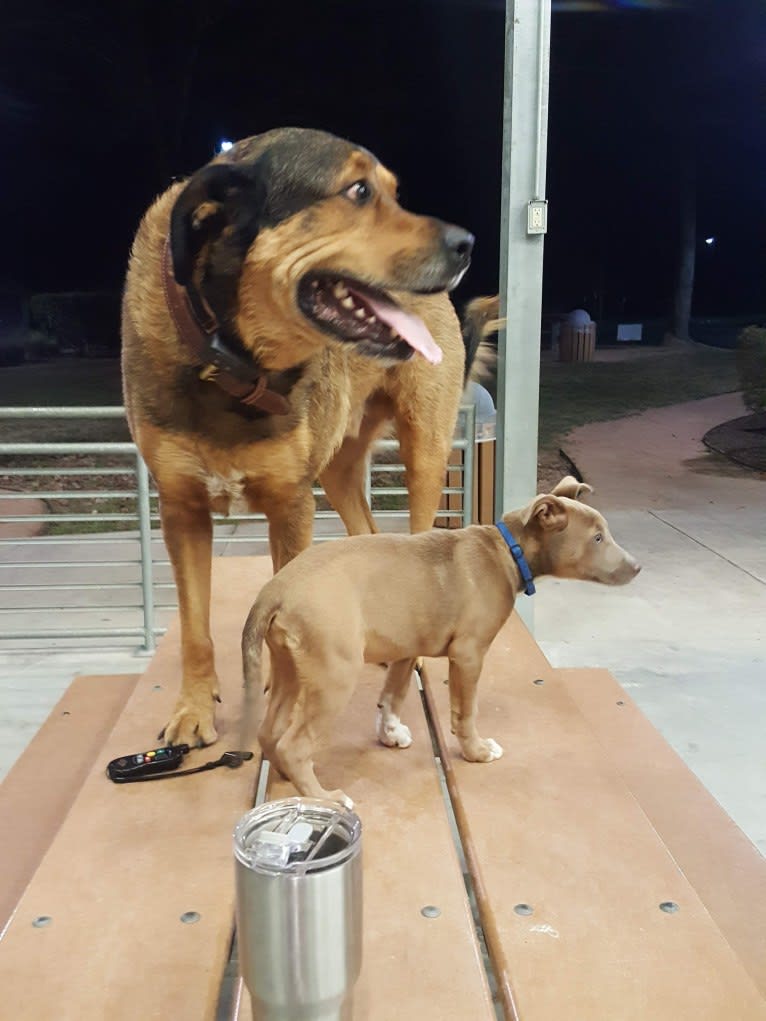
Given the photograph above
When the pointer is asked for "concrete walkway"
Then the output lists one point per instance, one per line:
(687, 637)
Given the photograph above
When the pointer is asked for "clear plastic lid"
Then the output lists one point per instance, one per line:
(297, 835)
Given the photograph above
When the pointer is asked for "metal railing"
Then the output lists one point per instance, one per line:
(91, 544)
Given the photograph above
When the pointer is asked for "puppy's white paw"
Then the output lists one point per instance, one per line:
(392, 732)
(483, 750)
(494, 749)
(341, 797)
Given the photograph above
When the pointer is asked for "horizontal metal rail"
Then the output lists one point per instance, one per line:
(82, 586)
(56, 449)
(38, 472)
(68, 494)
(72, 411)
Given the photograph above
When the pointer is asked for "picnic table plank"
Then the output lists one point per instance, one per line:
(43, 783)
(410, 862)
(725, 868)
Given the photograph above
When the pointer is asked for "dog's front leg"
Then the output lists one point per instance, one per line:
(465, 662)
(345, 477)
(188, 532)
(291, 525)
(425, 444)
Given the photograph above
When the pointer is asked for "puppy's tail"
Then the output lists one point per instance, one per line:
(481, 317)
(256, 628)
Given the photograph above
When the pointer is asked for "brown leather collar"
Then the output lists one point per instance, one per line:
(198, 330)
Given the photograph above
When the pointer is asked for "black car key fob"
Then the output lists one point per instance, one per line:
(159, 760)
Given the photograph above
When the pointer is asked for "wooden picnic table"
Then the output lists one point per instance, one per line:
(548, 890)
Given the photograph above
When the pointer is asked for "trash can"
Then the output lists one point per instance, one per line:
(577, 337)
(298, 870)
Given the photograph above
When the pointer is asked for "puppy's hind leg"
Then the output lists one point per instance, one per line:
(283, 693)
(389, 728)
(326, 686)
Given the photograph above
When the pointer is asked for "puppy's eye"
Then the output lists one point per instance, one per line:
(598, 537)
(359, 192)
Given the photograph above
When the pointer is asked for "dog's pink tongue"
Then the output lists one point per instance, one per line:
(410, 327)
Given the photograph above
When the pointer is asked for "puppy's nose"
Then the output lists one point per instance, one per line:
(459, 243)
(636, 567)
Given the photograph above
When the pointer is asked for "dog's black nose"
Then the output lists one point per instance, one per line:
(459, 243)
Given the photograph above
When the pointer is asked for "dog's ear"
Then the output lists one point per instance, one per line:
(570, 487)
(218, 196)
(548, 512)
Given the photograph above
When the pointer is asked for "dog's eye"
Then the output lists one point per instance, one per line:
(359, 192)
(598, 537)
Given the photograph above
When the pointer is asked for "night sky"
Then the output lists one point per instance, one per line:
(102, 105)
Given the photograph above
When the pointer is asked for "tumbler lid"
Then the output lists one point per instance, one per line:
(296, 836)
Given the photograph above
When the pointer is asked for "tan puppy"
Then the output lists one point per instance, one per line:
(391, 598)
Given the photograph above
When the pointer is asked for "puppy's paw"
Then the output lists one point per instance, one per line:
(495, 749)
(192, 723)
(483, 750)
(341, 797)
(392, 732)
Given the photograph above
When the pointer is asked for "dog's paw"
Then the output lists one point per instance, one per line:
(483, 750)
(192, 724)
(392, 732)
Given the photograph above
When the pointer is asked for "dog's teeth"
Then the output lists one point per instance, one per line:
(340, 291)
(393, 332)
(348, 303)
(359, 313)
(372, 319)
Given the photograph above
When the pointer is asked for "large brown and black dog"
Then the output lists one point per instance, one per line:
(280, 309)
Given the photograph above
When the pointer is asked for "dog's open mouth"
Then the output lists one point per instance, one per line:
(366, 317)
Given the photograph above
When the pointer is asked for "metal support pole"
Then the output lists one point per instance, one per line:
(145, 534)
(525, 128)
(469, 461)
(368, 481)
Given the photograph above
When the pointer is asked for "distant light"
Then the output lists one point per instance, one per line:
(225, 145)
(709, 241)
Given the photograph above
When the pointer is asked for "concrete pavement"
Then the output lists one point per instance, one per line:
(687, 637)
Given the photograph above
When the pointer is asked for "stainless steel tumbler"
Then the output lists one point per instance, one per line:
(299, 909)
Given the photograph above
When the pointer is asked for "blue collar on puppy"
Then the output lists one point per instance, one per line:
(518, 555)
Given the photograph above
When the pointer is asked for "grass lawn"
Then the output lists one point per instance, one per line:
(574, 394)
(62, 381)
(571, 394)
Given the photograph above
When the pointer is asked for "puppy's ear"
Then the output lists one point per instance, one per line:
(548, 512)
(570, 487)
(218, 196)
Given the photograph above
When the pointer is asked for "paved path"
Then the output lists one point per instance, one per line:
(687, 637)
